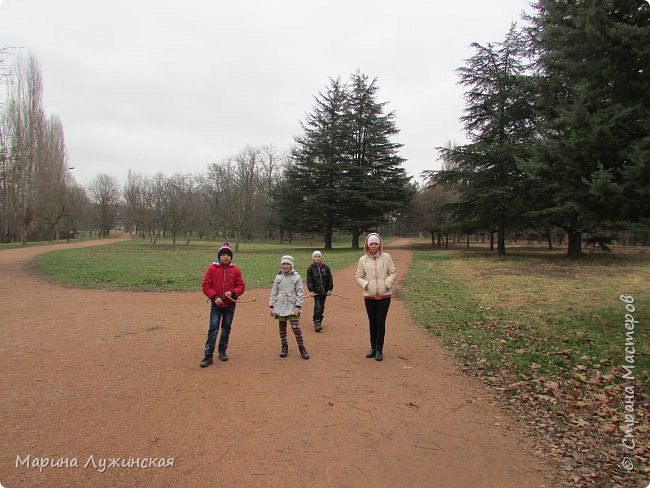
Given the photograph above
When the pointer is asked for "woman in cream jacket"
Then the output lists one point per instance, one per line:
(376, 274)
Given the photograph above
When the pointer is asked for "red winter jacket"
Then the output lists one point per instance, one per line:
(219, 279)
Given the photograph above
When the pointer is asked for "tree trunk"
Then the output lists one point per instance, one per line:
(328, 238)
(574, 249)
(467, 241)
(433, 240)
(501, 242)
(355, 238)
(237, 240)
(550, 241)
(491, 241)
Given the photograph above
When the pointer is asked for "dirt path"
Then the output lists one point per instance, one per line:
(94, 376)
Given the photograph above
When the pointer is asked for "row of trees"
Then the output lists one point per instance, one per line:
(232, 198)
(38, 196)
(558, 115)
(41, 201)
(343, 175)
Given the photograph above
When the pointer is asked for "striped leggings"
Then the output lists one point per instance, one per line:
(295, 326)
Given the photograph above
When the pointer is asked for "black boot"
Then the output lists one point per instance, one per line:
(303, 353)
(223, 356)
(284, 351)
(207, 361)
(318, 326)
(371, 354)
(379, 356)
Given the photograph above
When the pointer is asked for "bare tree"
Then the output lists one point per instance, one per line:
(105, 198)
(240, 188)
(272, 166)
(24, 122)
(147, 204)
(134, 201)
(429, 211)
(52, 180)
(178, 204)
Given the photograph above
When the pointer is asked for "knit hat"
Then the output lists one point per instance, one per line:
(224, 249)
(316, 253)
(373, 239)
(287, 259)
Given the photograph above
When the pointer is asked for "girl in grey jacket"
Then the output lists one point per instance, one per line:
(287, 296)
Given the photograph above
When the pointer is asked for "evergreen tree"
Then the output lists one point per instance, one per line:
(499, 120)
(344, 173)
(314, 176)
(376, 184)
(593, 158)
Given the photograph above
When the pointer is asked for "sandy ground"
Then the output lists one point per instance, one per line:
(110, 382)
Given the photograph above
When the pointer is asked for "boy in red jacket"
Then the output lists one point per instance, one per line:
(222, 284)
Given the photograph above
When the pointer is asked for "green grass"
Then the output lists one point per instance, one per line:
(135, 265)
(531, 308)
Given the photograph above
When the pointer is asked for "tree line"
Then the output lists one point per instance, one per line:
(344, 174)
(558, 121)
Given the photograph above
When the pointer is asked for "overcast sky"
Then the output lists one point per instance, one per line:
(172, 86)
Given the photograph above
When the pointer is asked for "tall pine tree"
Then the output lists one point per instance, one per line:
(499, 120)
(345, 172)
(318, 161)
(376, 184)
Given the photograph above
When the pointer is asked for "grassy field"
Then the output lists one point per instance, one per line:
(135, 265)
(532, 308)
(548, 335)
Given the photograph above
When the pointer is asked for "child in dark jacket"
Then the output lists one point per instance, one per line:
(320, 284)
(222, 284)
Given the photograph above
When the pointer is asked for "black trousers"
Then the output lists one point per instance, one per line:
(377, 311)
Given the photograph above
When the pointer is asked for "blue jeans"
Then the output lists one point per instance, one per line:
(319, 307)
(224, 317)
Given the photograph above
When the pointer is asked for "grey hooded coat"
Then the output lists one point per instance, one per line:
(287, 293)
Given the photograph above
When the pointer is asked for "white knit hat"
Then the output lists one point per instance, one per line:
(374, 238)
(287, 259)
(316, 253)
